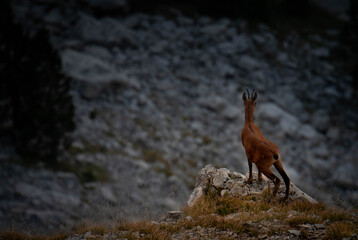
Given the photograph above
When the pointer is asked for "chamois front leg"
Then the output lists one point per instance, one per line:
(276, 181)
(249, 181)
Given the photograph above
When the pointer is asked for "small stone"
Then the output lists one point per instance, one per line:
(227, 48)
(195, 195)
(223, 192)
(212, 102)
(220, 178)
(136, 235)
(295, 232)
(321, 52)
(308, 132)
(242, 43)
(174, 215)
(215, 29)
(262, 236)
(231, 113)
(232, 216)
(319, 226)
(306, 226)
(248, 63)
(292, 214)
(232, 175)
(250, 225)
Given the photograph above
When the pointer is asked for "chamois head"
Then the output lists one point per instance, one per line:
(249, 100)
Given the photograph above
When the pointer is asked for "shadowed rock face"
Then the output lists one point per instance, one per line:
(220, 181)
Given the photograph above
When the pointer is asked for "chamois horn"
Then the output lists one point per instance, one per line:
(248, 93)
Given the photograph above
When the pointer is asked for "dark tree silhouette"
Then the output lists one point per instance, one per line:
(353, 26)
(35, 106)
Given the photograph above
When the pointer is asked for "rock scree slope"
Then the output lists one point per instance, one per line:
(157, 98)
(224, 206)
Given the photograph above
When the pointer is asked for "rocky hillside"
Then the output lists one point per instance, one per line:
(229, 208)
(158, 97)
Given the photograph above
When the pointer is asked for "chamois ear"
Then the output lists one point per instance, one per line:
(244, 97)
(255, 96)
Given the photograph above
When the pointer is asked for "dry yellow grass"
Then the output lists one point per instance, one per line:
(303, 219)
(226, 205)
(151, 230)
(95, 228)
(240, 214)
(340, 230)
(306, 207)
(258, 210)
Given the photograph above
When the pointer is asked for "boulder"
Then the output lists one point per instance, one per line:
(227, 48)
(321, 52)
(248, 63)
(220, 181)
(242, 43)
(188, 74)
(108, 4)
(104, 31)
(231, 112)
(212, 102)
(99, 52)
(215, 29)
(321, 121)
(88, 28)
(286, 123)
(82, 66)
(174, 215)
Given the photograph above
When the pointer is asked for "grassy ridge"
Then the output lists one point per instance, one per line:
(243, 216)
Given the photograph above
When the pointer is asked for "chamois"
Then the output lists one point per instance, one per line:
(259, 150)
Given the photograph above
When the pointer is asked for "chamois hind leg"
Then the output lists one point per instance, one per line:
(279, 167)
(268, 173)
(250, 172)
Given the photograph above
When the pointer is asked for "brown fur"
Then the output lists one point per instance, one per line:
(259, 150)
